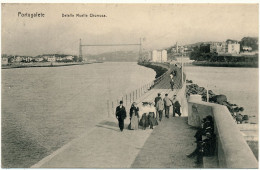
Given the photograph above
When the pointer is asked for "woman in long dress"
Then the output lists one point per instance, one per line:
(134, 117)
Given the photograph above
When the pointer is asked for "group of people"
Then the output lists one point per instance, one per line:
(165, 104)
(205, 139)
(148, 114)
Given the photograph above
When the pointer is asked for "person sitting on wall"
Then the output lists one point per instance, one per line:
(207, 146)
(206, 126)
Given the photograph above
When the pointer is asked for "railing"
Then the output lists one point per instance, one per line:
(128, 98)
(132, 96)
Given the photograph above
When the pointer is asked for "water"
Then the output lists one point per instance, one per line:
(45, 108)
(240, 85)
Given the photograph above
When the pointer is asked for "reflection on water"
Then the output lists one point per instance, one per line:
(240, 85)
(45, 108)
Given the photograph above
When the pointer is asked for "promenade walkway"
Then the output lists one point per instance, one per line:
(105, 146)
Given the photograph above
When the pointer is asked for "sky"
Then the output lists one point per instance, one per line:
(159, 26)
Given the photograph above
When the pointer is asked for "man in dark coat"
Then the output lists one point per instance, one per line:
(176, 106)
(172, 84)
(121, 115)
(155, 104)
(157, 98)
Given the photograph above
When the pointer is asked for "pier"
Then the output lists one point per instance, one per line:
(165, 146)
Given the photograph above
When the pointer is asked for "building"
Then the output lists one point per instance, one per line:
(49, 58)
(39, 59)
(234, 48)
(246, 48)
(69, 57)
(159, 56)
(154, 56)
(4, 60)
(218, 47)
(164, 56)
(18, 59)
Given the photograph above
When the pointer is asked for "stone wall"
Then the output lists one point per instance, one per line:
(232, 149)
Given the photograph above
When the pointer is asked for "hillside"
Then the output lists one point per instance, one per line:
(118, 56)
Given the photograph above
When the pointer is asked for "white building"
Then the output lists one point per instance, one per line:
(51, 58)
(4, 60)
(164, 56)
(69, 57)
(18, 59)
(154, 56)
(246, 48)
(234, 48)
(159, 56)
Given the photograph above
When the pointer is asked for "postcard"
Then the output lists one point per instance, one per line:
(129, 85)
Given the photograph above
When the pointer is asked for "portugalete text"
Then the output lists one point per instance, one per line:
(31, 15)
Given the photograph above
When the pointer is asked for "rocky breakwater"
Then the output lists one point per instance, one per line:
(234, 109)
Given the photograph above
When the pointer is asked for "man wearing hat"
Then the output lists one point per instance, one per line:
(155, 103)
(121, 115)
(167, 104)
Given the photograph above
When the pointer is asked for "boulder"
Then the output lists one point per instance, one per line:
(220, 99)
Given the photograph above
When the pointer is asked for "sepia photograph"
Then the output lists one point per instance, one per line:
(130, 85)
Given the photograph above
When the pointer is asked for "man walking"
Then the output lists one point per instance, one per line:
(176, 106)
(172, 84)
(167, 104)
(121, 115)
(155, 103)
(159, 108)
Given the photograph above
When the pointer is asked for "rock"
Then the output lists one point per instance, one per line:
(219, 99)
(245, 117)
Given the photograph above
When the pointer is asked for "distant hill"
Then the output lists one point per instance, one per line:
(118, 56)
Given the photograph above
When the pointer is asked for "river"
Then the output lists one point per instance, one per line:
(45, 108)
(240, 85)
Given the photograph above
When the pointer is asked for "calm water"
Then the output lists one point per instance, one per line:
(45, 108)
(240, 85)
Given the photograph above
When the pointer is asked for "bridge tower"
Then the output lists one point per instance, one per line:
(80, 50)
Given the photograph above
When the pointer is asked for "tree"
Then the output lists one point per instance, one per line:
(250, 42)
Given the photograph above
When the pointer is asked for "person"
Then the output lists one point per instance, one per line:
(172, 84)
(176, 106)
(121, 115)
(175, 73)
(152, 121)
(205, 147)
(144, 111)
(157, 98)
(134, 117)
(160, 108)
(167, 104)
(155, 103)
(171, 75)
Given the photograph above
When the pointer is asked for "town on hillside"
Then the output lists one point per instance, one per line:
(245, 50)
(16, 59)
